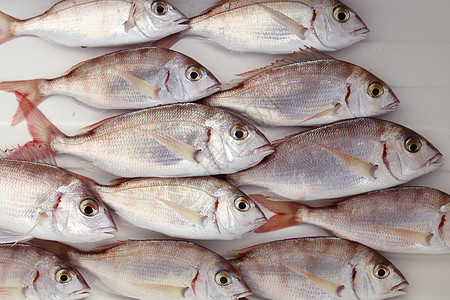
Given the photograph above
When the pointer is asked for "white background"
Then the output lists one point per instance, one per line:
(409, 48)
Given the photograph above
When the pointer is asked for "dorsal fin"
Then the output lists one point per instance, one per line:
(310, 54)
(31, 151)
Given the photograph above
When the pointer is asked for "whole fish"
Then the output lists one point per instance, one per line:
(46, 202)
(308, 88)
(28, 272)
(98, 23)
(178, 140)
(321, 268)
(127, 79)
(196, 208)
(342, 159)
(158, 269)
(406, 220)
(280, 26)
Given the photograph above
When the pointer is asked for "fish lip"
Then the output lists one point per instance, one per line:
(266, 148)
(241, 295)
(399, 287)
(214, 88)
(80, 294)
(434, 161)
(392, 106)
(364, 31)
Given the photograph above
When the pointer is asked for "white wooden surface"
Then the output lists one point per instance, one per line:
(409, 48)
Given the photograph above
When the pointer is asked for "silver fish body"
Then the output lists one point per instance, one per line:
(98, 23)
(404, 220)
(28, 272)
(53, 204)
(342, 159)
(127, 79)
(307, 89)
(319, 268)
(179, 140)
(196, 208)
(279, 26)
(159, 269)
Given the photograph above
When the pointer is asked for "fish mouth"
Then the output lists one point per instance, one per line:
(108, 231)
(391, 107)
(182, 21)
(433, 162)
(242, 295)
(214, 88)
(399, 288)
(80, 294)
(364, 31)
(269, 149)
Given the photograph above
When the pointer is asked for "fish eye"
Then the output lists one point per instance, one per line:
(193, 74)
(242, 204)
(239, 132)
(223, 278)
(63, 276)
(381, 271)
(375, 90)
(413, 144)
(341, 14)
(89, 207)
(160, 7)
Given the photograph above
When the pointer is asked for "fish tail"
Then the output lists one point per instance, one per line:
(40, 128)
(61, 250)
(6, 32)
(286, 213)
(28, 89)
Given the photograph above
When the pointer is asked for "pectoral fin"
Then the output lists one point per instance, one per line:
(143, 87)
(162, 291)
(185, 213)
(282, 19)
(324, 284)
(422, 238)
(42, 216)
(178, 147)
(130, 23)
(356, 165)
(12, 292)
(329, 111)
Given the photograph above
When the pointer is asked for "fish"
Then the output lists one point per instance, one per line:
(276, 27)
(43, 201)
(308, 88)
(342, 159)
(157, 269)
(193, 208)
(98, 23)
(318, 268)
(126, 79)
(28, 272)
(402, 220)
(177, 140)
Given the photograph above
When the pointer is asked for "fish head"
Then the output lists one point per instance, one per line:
(189, 80)
(218, 279)
(234, 143)
(80, 216)
(369, 96)
(407, 154)
(55, 279)
(374, 277)
(236, 213)
(337, 26)
(159, 15)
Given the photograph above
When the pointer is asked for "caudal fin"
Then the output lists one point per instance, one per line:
(40, 128)
(29, 89)
(285, 213)
(6, 32)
